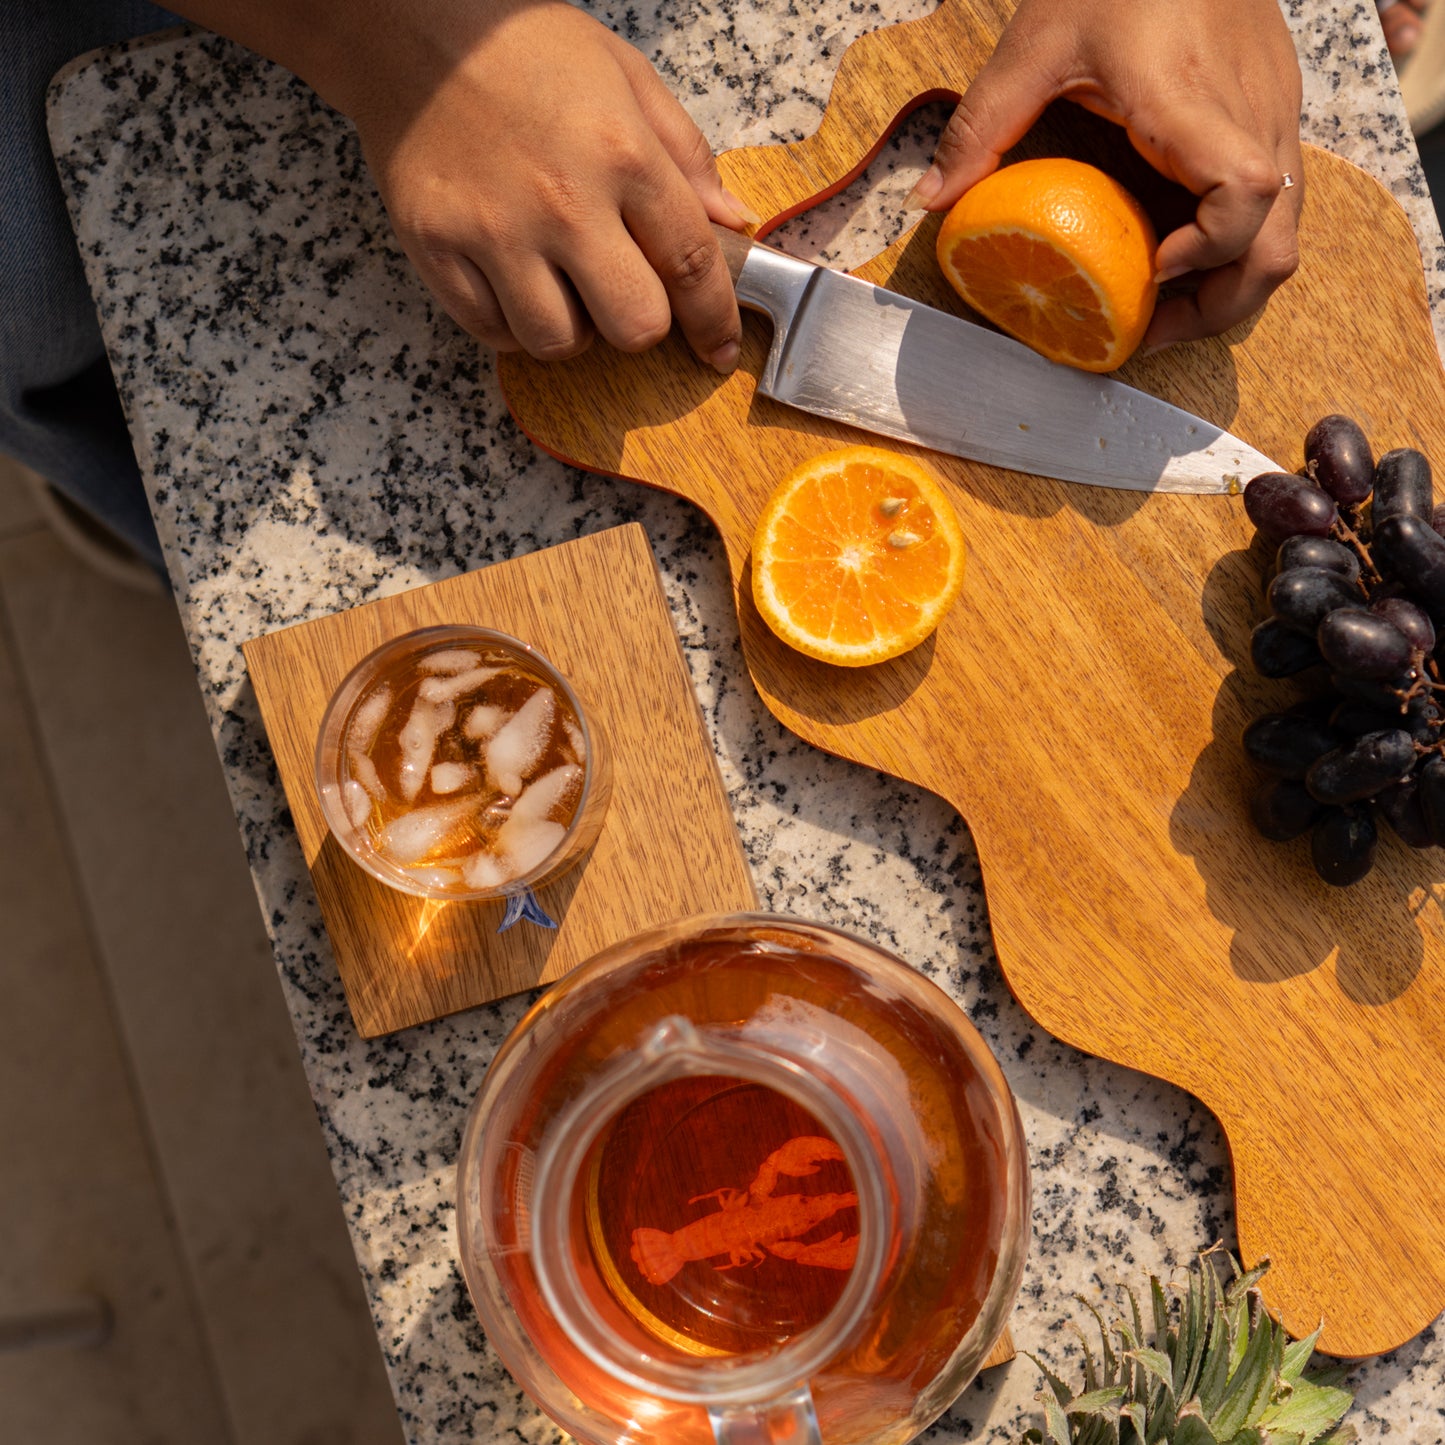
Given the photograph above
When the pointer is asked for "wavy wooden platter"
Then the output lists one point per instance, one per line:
(1081, 707)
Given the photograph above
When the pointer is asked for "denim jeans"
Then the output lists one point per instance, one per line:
(59, 412)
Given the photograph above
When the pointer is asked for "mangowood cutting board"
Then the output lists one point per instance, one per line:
(1082, 704)
(669, 846)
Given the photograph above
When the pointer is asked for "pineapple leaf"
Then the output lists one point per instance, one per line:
(1192, 1428)
(1060, 1389)
(1243, 1283)
(1161, 1423)
(1157, 1364)
(1248, 1392)
(1111, 1360)
(1240, 1314)
(1309, 1411)
(1194, 1322)
(1054, 1421)
(1214, 1372)
(1160, 1307)
(1138, 1319)
(1128, 1371)
(1297, 1355)
(1096, 1402)
(1097, 1430)
(1131, 1414)
(1091, 1373)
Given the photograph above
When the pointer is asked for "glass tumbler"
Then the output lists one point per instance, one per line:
(457, 763)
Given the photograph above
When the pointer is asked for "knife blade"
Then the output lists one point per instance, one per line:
(872, 358)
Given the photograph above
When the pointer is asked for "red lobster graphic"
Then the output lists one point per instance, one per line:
(746, 1219)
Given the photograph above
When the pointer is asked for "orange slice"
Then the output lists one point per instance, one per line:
(1057, 254)
(857, 556)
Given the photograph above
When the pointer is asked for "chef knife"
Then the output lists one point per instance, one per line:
(860, 354)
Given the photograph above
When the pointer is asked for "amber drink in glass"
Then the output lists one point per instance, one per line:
(458, 763)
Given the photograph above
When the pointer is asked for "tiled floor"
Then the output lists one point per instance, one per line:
(160, 1146)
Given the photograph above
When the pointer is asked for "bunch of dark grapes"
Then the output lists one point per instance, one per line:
(1356, 593)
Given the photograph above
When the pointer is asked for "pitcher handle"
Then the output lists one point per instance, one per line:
(788, 1420)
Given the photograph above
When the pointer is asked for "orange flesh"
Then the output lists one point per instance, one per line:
(1034, 291)
(835, 571)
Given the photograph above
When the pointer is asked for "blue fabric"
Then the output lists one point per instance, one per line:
(59, 412)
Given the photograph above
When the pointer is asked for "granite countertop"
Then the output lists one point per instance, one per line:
(315, 433)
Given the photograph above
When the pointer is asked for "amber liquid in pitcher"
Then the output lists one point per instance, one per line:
(713, 1216)
(720, 1215)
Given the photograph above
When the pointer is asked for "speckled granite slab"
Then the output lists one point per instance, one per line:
(314, 433)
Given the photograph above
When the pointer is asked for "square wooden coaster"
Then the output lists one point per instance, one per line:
(669, 846)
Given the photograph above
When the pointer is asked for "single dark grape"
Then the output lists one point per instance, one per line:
(1360, 768)
(1342, 844)
(1354, 717)
(1432, 796)
(1423, 720)
(1337, 456)
(1403, 487)
(1322, 552)
(1302, 597)
(1383, 693)
(1283, 809)
(1359, 644)
(1280, 651)
(1283, 505)
(1410, 618)
(1420, 718)
(1408, 550)
(1285, 745)
(1316, 709)
(1402, 807)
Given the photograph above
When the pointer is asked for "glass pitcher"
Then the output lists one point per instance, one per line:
(743, 1179)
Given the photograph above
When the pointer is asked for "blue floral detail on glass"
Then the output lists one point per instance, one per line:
(524, 905)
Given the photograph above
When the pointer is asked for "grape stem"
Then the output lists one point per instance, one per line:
(1347, 534)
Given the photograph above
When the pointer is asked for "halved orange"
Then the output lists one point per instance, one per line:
(1057, 254)
(857, 556)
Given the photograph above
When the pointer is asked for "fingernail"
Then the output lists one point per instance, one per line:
(1170, 272)
(1157, 347)
(741, 209)
(725, 358)
(929, 185)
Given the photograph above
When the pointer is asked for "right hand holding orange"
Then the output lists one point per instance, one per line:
(1210, 95)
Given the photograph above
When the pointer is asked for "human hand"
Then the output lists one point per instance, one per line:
(543, 180)
(1209, 93)
(1401, 22)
